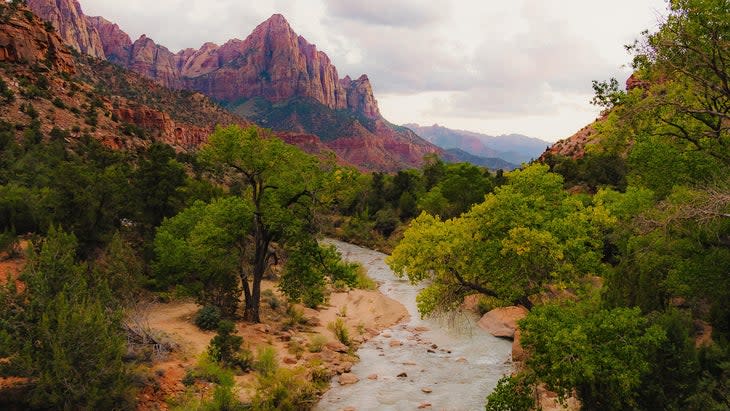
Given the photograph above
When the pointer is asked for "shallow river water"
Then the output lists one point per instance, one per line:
(455, 360)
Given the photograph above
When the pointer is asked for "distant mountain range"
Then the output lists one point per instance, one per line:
(512, 148)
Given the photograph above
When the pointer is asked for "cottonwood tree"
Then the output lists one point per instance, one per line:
(279, 183)
(527, 234)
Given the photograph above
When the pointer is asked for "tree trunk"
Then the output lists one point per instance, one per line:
(247, 298)
(251, 313)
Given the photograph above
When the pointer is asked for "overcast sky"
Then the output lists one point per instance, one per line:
(496, 67)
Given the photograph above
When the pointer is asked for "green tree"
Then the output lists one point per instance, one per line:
(686, 68)
(204, 249)
(308, 267)
(526, 235)
(60, 333)
(280, 185)
(601, 354)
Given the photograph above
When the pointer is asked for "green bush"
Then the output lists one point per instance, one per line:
(225, 346)
(285, 390)
(208, 317)
(362, 280)
(266, 363)
(511, 394)
(317, 342)
(339, 329)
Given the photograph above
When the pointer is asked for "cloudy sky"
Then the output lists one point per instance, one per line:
(496, 67)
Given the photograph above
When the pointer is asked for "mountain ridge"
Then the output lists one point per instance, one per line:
(512, 148)
(273, 63)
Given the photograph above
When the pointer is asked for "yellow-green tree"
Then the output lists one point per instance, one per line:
(527, 234)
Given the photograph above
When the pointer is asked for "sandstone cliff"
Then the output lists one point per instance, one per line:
(71, 24)
(25, 40)
(120, 108)
(273, 64)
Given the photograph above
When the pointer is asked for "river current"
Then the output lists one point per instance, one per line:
(450, 363)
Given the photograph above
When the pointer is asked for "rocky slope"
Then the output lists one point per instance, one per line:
(47, 87)
(274, 65)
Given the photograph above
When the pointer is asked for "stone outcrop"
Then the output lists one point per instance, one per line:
(116, 42)
(24, 40)
(163, 127)
(502, 322)
(71, 24)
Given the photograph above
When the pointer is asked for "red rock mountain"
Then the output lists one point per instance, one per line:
(80, 95)
(273, 64)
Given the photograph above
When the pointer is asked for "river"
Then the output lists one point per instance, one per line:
(450, 364)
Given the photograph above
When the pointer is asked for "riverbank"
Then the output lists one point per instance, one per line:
(298, 342)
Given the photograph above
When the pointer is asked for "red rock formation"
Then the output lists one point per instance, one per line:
(116, 42)
(155, 62)
(360, 96)
(575, 145)
(163, 128)
(24, 40)
(70, 23)
(273, 62)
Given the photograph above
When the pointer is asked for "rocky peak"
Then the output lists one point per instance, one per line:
(116, 42)
(71, 24)
(273, 62)
(360, 96)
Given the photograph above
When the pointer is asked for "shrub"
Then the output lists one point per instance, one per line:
(486, 304)
(208, 317)
(339, 329)
(285, 390)
(266, 363)
(9, 243)
(362, 280)
(511, 394)
(294, 318)
(225, 346)
(317, 342)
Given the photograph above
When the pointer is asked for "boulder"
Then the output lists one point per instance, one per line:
(502, 322)
(347, 378)
(518, 353)
(395, 343)
(337, 346)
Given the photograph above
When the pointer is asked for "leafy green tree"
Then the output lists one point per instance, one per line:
(308, 268)
(529, 233)
(225, 345)
(512, 393)
(687, 65)
(280, 186)
(158, 178)
(601, 354)
(204, 249)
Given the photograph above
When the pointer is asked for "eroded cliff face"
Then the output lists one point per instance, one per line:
(116, 42)
(71, 24)
(25, 40)
(273, 62)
